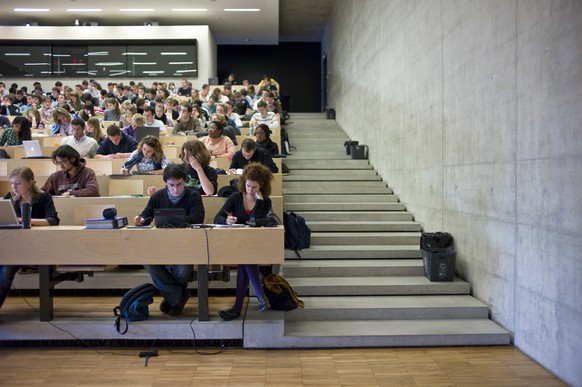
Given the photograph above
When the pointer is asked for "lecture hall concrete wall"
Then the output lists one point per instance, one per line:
(473, 114)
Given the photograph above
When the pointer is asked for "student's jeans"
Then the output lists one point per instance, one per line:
(170, 280)
(7, 274)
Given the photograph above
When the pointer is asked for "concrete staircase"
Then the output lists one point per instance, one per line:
(362, 279)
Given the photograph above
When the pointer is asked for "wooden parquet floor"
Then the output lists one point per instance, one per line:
(455, 366)
(102, 366)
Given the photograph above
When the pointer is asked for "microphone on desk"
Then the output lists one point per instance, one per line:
(110, 213)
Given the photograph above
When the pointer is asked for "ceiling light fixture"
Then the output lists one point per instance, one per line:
(242, 9)
(31, 10)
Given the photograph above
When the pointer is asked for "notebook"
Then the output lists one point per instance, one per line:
(142, 131)
(8, 218)
(32, 149)
(170, 218)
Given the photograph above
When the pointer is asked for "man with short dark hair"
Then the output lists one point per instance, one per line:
(86, 146)
(172, 280)
(250, 153)
(117, 145)
(74, 178)
(187, 124)
(186, 89)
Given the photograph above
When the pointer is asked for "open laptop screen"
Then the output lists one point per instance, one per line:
(142, 131)
(170, 218)
(8, 217)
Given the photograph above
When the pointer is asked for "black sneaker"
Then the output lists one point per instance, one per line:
(229, 314)
(165, 306)
(178, 309)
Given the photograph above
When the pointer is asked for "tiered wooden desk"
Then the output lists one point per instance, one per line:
(74, 245)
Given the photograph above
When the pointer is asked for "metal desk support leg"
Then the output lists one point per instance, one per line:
(45, 292)
(203, 314)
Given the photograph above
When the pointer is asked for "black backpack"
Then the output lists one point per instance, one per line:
(134, 305)
(297, 233)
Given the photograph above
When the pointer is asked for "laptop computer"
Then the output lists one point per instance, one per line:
(142, 131)
(33, 150)
(8, 218)
(170, 218)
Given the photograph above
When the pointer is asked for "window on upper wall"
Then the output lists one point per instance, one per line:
(100, 59)
(25, 61)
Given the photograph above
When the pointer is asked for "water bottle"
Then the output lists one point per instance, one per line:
(252, 127)
(26, 213)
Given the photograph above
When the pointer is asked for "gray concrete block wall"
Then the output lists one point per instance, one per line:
(473, 114)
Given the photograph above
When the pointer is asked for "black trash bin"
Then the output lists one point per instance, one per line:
(330, 114)
(439, 264)
(359, 152)
(348, 145)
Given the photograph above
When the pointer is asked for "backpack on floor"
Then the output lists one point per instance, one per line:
(297, 233)
(134, 305)
(280, 293)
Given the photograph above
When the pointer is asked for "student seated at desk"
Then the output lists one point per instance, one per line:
(217, 143)
(93, 130)
(263, 134)
(86, 146)
(62, 122)
(117, 145)
(148, 157)
(24, 190)
(251, 200)
(250, 153)
(20, 131)
(172, 280)
(74, 178)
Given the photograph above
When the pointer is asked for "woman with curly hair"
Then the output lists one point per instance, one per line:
(149, 157)
(250, 201)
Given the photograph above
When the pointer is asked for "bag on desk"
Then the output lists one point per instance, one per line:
(134, 305)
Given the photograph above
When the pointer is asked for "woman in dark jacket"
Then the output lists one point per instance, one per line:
(24, 190)
(263, 134)
(251, 200)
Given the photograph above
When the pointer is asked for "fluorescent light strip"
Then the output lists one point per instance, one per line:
(17, 54)
(154, 72)
(62, 55)
(84, 10)
(180, 63)
(189, 9)
(98, 53)
(173, 53)
(145, 63)
(109, 63)
(186, 71)
(37, 64)
(136, 10)
(242, 9)
(134, 53)
(31, 9)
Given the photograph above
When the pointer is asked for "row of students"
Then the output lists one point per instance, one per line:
(250, 200)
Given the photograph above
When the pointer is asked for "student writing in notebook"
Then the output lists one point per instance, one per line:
(24, 190)
(251, 200)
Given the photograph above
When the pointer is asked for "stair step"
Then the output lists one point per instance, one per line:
(365, 238)
(329, 164)
(323, 155)
(368, 286)
(297, 207)
(340, 198)
(322, 178)
(395, 333)
(370, 216)
(356, 252)
(350, 268)
(363, 185)
(360, 226)
(324, 189)
(339, 173)
(389, 308)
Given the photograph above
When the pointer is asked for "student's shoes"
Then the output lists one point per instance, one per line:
(263, 304)
(229, 314)
(165, 306)
(178, 309)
